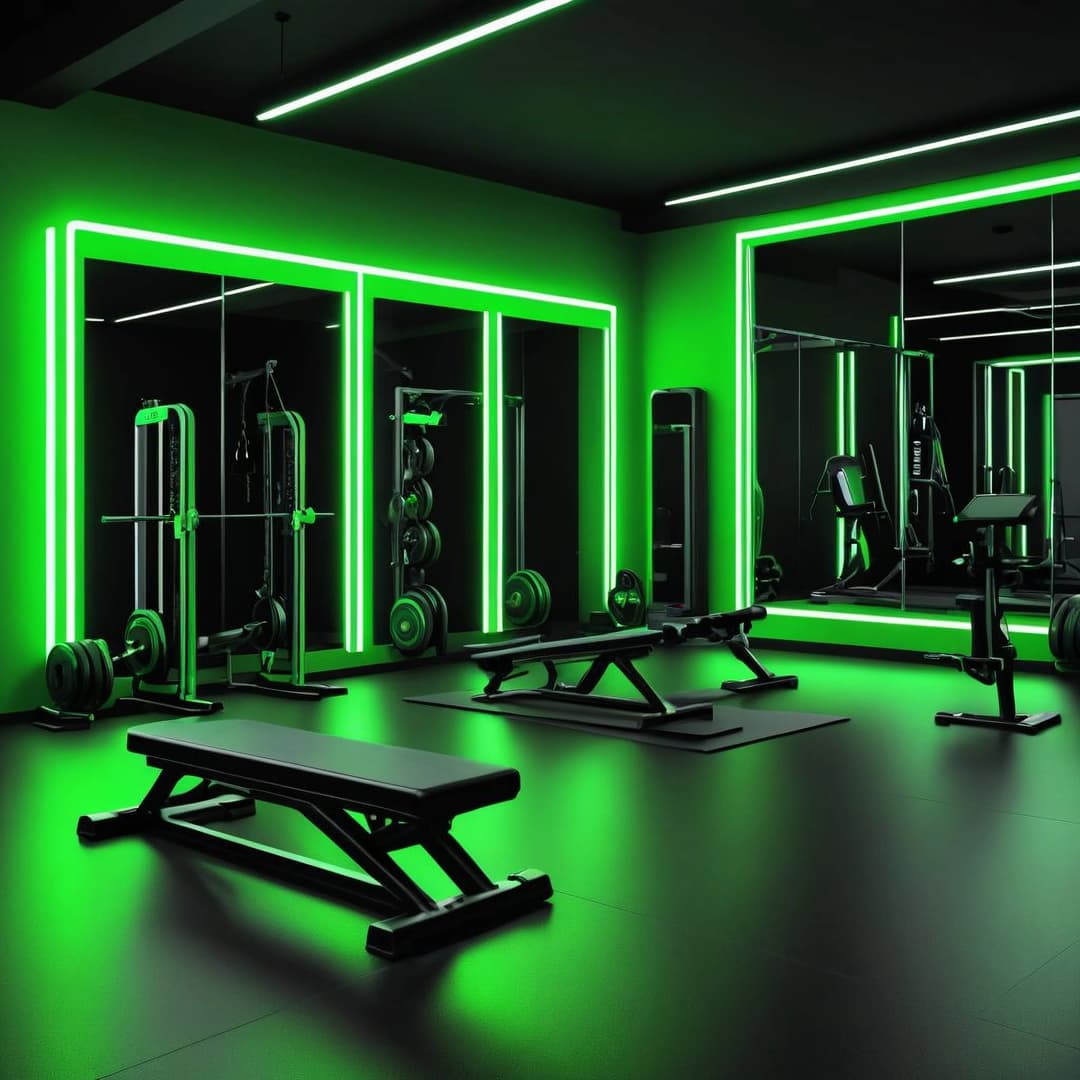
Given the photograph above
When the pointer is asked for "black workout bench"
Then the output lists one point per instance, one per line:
(731, 628)
(618, 650)
(404, 797)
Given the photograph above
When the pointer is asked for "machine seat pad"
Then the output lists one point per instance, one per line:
(395, 780)
(571, 648)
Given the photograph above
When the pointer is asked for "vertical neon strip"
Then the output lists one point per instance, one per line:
(611, 442)
(1048, 470)
(740, 491)
(360, 453)
(988, 434)
(50, 438)
(841, 448)
(851, 403)
(1022, 449)
(69, 438)
(346, 468)
(500, 478)
(486, 472)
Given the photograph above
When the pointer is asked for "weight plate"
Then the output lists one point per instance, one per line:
(82, 658)
(425, 461)
(1070, 647)
(62, 676)
(436, 541)
(412, 622)
(146, 631)
(273, 631)
(102, 674)
(1056, 625)
(419, 499)
(544, 593)
(416, 542)
(442, 614)
(521, 599)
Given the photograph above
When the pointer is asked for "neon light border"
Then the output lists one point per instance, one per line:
(745, 437)
(353, 367)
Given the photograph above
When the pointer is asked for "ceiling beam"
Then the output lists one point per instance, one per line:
(86, 45)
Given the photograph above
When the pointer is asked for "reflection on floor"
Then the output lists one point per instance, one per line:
(882, 898)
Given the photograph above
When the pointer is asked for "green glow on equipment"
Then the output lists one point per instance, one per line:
(888, 155)
(895, 620)
(50, 438)
(420, 56)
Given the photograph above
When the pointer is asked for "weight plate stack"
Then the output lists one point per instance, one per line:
(63, 678)
(273, 632)
(419, 500)
(442, 615)
(100, 687)
(412, 623)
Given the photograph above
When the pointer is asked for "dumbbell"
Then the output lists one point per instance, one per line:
(80, 675)
(526, 599)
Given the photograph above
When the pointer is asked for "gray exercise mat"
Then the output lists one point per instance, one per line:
(704, 735)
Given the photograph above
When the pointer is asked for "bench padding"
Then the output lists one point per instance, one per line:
(400, 781)
(569, 648)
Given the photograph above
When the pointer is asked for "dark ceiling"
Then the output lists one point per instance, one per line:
(620, 103)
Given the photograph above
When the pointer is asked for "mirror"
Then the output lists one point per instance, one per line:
(428, 387)
(176, 336)
(678, 479)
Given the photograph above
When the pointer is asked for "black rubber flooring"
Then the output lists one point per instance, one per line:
(881, 898)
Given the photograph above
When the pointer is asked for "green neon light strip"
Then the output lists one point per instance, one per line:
(1048, 470)
(1008, 333)
(988, 434)
(888, 155)
(50, 438)
(346, 382)
(194, 303)
(489, 407)
(500, 479)
(987, 311)
(359, 428)
(895, 620)
(412, 59)
(841, 448)
(69, 441)
(153, 237)
(743, 555)
(1018, 272)
(1035, 362)
(1019, 378)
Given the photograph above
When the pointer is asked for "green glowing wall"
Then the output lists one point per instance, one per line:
(112, 160)
(695, 312)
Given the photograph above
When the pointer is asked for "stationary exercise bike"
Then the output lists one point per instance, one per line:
(992, 652)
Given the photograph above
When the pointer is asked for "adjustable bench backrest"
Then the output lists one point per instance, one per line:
(570, 648)
(396, 781)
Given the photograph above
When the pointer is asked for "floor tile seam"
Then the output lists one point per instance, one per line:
(1031, 1034)
(1003, 813)
(1034, 971)
(283, 1008)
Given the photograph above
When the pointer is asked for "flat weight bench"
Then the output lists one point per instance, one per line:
(731, 628)
(406, 798)
(618, 650)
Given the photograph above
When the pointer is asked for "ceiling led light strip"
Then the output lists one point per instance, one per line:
(467, 37)
(196, 303)
(1009, 333)
(1018, 272)
(888, 155)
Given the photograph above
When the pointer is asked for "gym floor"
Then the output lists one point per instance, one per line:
(882, 898)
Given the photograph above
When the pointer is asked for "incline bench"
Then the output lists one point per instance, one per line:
(619, 650)
(406, 798)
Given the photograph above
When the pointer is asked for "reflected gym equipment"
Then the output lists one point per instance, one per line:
(626, 601)
(992, 653)
(419, 617)
(526, 599)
